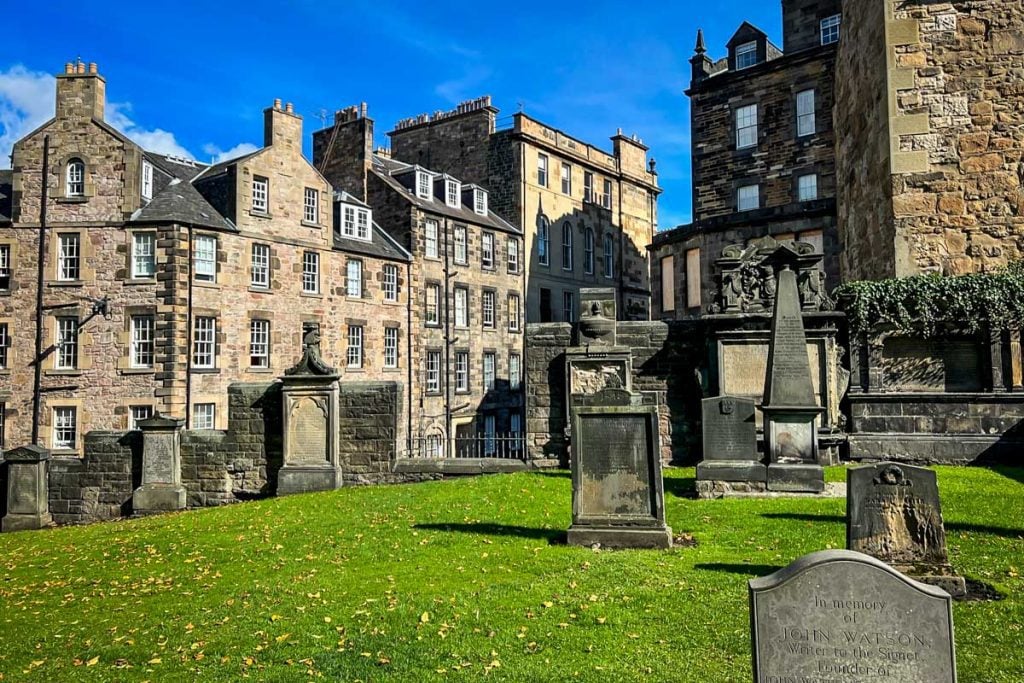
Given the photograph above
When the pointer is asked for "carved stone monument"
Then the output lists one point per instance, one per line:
(28, 503)
(618, 497)
(310, 401)
(790, 410)
(839, 615)
(893, 514)
(161, 489)
(730, 443)
(596, 362)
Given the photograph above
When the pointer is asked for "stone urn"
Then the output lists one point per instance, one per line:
(595, 327)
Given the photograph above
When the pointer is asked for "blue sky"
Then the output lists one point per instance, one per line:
(194, 77)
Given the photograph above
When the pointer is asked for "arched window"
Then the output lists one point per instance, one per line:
(609, 257)
(588, 251)
(543, 241)
(76, 178)
(566, 246)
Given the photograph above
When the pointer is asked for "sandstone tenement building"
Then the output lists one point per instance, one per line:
(762, 152)
(587, 216)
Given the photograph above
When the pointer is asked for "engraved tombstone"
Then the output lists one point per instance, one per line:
(730, 441)
(28, 505)
(310, 403)
(893, 514)
(839, 615)
(790, 410)
(618, 497)
(161, 489)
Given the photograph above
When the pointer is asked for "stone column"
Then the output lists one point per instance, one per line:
(995, 345)
(1016, 366)
(161, 489)
(856, 379)
(28, 490)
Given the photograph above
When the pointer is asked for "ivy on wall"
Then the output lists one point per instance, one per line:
(920, 304)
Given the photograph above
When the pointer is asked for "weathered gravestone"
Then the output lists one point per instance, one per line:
(839, 615)
(893, 514)
(790, 410)
(161, 489)
(730, 441)
(28, 505)
(618, 497)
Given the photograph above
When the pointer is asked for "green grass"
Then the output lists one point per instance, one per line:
(450, 581)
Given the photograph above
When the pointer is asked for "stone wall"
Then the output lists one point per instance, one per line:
(665, 358)
(369, 413)
(99, 485)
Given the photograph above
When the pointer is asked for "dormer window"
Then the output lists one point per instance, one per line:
(147, 180)
(452, 193)
(746, 55)
(76, 178)
(480, 201)
(355, 222)
(423, 185)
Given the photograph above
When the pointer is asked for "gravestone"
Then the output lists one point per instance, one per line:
(839, 615)
(161, 489)
(311, 404)
(893, 514)
(595, 362)
(790, 410)
(618, 497)
(730, 441)
(28, 497)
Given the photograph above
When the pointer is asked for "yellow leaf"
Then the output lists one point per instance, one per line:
(548, 604)
(93, 661)
(276, 617)
(283, 637)
(425, 617)
(155, 660)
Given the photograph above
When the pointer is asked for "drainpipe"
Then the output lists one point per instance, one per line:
(188, 337)
(37, 386)
(448, 341)
(408, 354)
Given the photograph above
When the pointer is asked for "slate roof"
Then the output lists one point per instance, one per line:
(385, 169)
(176, 167)
(180, 202)
(216, 169)
(6, 179)
(380, 245)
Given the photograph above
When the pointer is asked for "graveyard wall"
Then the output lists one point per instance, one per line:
(665, 359)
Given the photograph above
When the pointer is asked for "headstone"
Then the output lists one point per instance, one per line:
(790, 410)
(311, 405)
(893, 514)
(730, 441)
(28, 496)
(839, 615)
(595, 362)
(161, 489)
(618, 497)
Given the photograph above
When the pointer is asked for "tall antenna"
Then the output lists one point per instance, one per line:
(322, 115)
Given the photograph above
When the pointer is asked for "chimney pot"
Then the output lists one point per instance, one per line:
(80, 67)
(92, 67)
(69, 68)
(277, 103)
(288, 108)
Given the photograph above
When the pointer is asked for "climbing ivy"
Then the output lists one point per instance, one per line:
(921, 303)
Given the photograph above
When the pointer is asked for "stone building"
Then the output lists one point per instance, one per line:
(466, 283)
(587, 215)
(763, 154)
(165, 281)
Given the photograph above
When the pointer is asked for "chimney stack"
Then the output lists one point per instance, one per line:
(282, 127)
(344, 152)
(81, 91)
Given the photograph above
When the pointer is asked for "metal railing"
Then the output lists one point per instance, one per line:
(502, 445)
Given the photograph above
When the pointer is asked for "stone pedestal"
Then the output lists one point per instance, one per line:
(28, 504)
(161, 489)
(730, 442)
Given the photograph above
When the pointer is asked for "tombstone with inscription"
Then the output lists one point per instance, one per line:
(596, 362)
(310, 402)
(28, 504)
(893, 514)
(790, 410)
(618, 497)
(161, 489)
(839, 615)
(730, 442)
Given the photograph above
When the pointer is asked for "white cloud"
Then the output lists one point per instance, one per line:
(218, 155)
(26, 102)
(155, 140)
(465, 86)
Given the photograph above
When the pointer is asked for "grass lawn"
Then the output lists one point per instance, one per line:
(454, 580)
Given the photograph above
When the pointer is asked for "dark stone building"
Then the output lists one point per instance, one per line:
(763, 154)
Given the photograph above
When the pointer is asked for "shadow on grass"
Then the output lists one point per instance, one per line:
(804, 517)
(681, 487)
(552, 536)
(1003, 532)
(745, 569)
(1015, 473)
(556, 474)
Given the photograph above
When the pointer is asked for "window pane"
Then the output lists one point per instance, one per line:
(354, 354)
(391, 347)
(748, 198)
(205, 259)
(204, 416)
(430, 246)
(390, 283)
(746, 55)
(259, 343)
(259, 194)
(805, 122)
(65, 427)
(68, 257)
(807, 187)
(311, 272)
(260, 265)
(203, 342)
(355, 279)
(67, 344)
(142, 341)
(143, 254)
(310, 204)
(487, 250)
(746, 126)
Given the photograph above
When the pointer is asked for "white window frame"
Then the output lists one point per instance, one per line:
(432, 372)
(543, 241)
(748, 197)
(260, 194)
(490, 368)
(515, 371)
(424, 185)
(743, 54)
(5, 267)
(137, 414)
(807, 187)
(606, 198)
(310, 272)
(204, 416)
(354, 279)
(143, 341)
(487, 250)
(542, 170)
(805, 113)
(480, 201)
(311, 205)
(69, 256)
(745, 118)
(363, 224)
(567, 260)
(489, 305)
(5, 344)
(460, 238)
(259, 343)
(462, 371)
(390, 347)
(75, 178)
(390, 284)
(430, 238)
(452, 193)
(568, 306)
(204, 258)
(566, 178)
(461, 306)
(65, 428)
(514, 312)
(588, 187)
(66, 337)
(143, 255)
(432, 304)
(354, 351)
(204, 342)
(830, 29)
(512, 253)
(609, 257)
(147, 180)
(259, 274)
